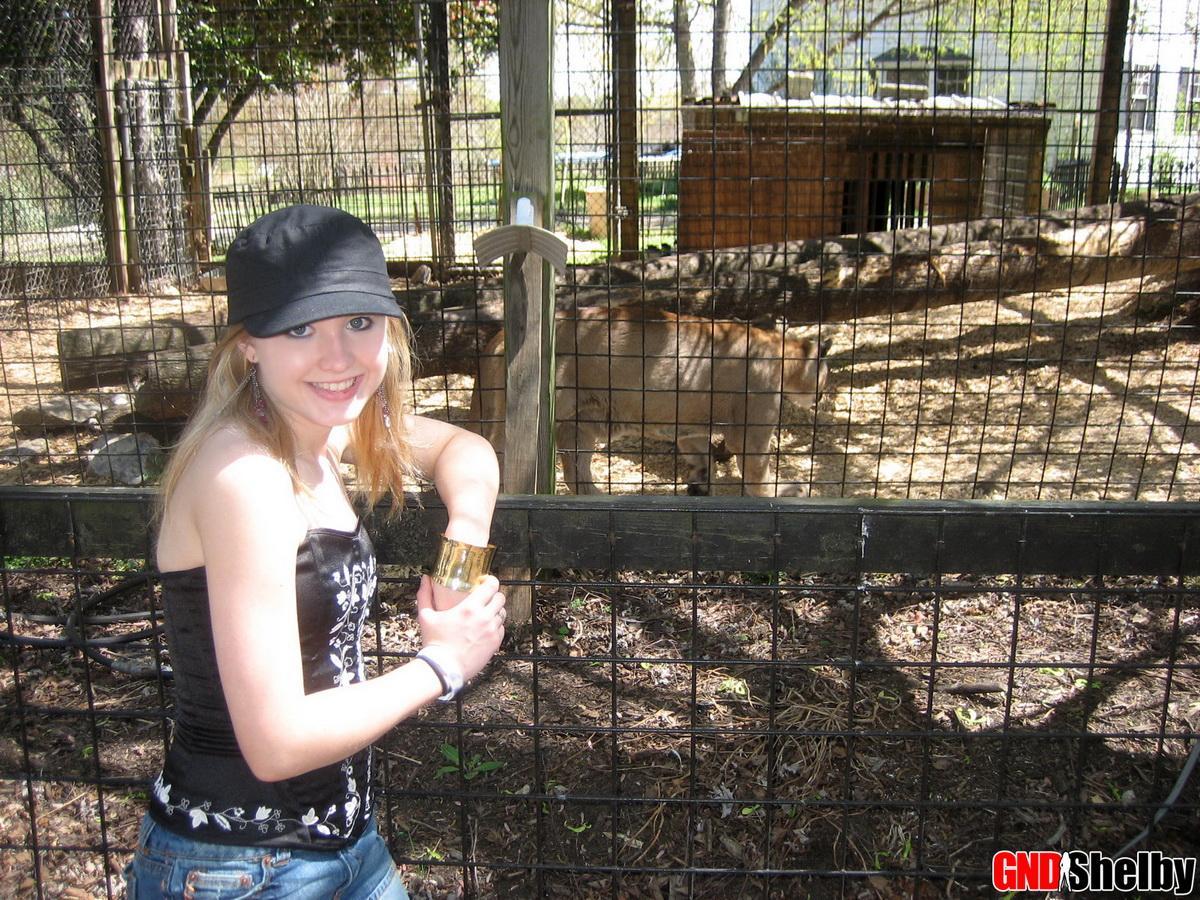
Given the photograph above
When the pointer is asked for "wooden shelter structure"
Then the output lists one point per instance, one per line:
(769, 175)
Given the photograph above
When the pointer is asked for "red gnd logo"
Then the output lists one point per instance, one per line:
(1077, 870)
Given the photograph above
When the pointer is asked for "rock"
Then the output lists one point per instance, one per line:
(23, 451)
(58, 412)
(130, 459)
(114, 405)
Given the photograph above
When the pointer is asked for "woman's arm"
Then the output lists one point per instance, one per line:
(463, 468)
(248, 525)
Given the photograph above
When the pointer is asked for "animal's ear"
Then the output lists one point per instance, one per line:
(825, 345)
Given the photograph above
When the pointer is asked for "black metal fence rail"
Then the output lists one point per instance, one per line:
(715, 697)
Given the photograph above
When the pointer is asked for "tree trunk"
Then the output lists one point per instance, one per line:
(720, 40)
(438, 46)
(89, 358)
(840, 279)
(172, 383)
(149, 113)
(684, 61)
(625, 126)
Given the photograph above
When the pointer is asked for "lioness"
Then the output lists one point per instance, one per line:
(629, 369)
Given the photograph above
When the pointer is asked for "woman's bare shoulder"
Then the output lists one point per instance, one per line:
(231, 484)
(230, 460)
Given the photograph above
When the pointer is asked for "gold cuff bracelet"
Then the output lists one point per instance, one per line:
(460, 566)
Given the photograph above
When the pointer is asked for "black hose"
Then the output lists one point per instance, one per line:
(75, 623)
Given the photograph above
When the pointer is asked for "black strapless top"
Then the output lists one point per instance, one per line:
(206, 790)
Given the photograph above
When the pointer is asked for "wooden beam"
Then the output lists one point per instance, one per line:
(526, 85)
(701, 534)
(527, 161)
(110, 173)
(625, 99)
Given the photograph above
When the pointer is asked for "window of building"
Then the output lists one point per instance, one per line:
(952, 79)
(938, 70)
(1141, 88)
(1188, 106)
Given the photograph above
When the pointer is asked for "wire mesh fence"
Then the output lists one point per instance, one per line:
(870, 134)
(709, 700)
(977, 231)
(50, 218)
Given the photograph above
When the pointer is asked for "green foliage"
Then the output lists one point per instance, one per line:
(36, 562)
(237, 48)
(469, 766)
(577, 829)
(1063, 37)
(734, 687)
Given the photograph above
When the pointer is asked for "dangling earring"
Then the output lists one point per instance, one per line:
(256, 395)
(385, 408)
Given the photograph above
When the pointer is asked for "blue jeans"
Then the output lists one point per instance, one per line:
(170, 865)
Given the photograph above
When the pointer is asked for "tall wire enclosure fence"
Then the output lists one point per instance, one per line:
(990, 222)
(712, 698)
(818, 180)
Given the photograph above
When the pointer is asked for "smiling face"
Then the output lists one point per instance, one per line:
(320, 376)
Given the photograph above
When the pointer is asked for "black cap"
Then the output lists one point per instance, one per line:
(304, 263)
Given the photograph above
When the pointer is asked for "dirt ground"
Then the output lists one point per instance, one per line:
(657, 722)
(1063, 395)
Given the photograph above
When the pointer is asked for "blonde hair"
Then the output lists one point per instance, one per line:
(383, 456)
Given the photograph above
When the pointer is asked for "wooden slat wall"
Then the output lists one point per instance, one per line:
(701, 533)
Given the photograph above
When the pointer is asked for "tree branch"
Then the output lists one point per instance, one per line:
(236, 103)
(780, 26)
(890, 11)
(16, 115)
(776, 30)
(204, 106)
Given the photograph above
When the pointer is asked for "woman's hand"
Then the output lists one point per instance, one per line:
(445, 599)
(472, 629)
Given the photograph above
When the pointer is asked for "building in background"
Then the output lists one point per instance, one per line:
(1158, 147)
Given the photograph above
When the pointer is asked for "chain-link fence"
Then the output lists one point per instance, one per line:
(51, 238)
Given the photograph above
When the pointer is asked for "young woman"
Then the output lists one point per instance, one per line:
(268, 576)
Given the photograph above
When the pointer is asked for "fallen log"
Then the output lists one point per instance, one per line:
(844, 278)
(803, 282)
(96, 357)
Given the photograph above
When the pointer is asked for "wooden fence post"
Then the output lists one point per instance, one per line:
(625, 113)
(527, 161)
(110, 154)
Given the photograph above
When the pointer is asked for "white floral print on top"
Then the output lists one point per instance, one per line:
(266, 819)
(356, 584)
